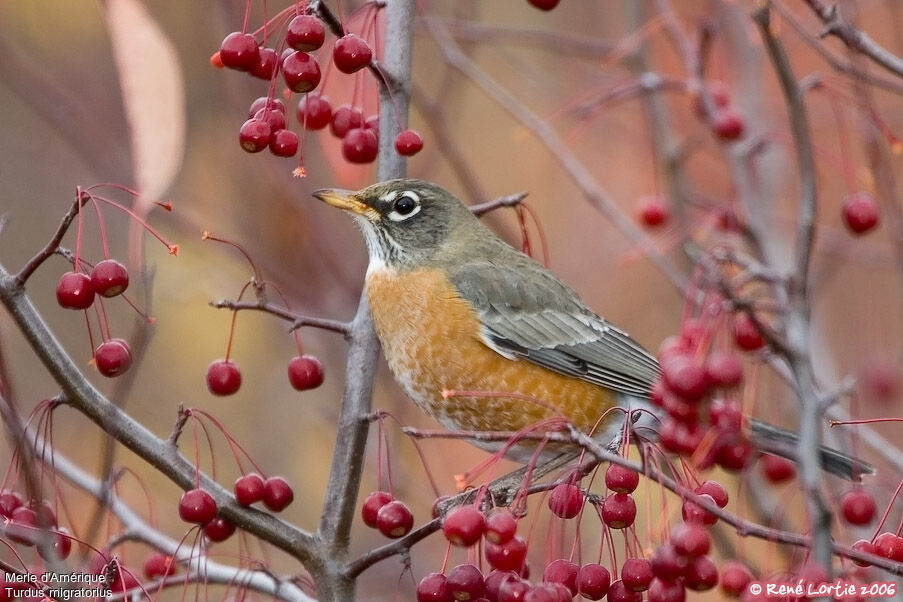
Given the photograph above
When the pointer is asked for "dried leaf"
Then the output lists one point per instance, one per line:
(153, 94)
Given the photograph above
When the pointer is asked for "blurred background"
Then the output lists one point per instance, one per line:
(64, 125)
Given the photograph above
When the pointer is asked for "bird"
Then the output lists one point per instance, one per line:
(484, 338)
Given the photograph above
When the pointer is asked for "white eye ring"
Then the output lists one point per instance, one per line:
(406, 210)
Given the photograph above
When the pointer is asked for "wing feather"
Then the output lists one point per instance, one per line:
(529, 314)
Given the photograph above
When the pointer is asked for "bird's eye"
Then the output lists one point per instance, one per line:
(406, 204)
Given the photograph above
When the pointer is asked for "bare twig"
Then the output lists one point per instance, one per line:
(855, 39)
(297, 320)
(556, 146)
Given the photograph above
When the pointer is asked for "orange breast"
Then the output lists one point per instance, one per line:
(431, 340)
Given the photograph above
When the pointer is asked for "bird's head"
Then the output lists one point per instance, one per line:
(405, 222)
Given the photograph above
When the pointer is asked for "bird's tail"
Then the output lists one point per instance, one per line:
(780, 442)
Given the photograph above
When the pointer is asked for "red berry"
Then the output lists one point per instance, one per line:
(433, 588)
(158, 565)
(408, 142)
(889, 545)
(777, 469)
(721, 97)
(351, 53)
(305, 372)
(197, 506)
(679, 437)
(564, 572)
(305, 32)
(372, 504)
(360, 145)
(690, 539)
(74, 291)
(44, 513)
(265, 102)
(865, 546)
(566, 500)
(729, 125)
(239, 51)
(726, 415)
(346, 118)
(394, 519)
(694, 513)
(618, 510)
(653, 210)
(463, 526)
(60, 546)
(223, 377)
(494, 581)
(113, 357)
(618, 592)
(301, 72)
(23, 526)
(667, 564)
(275, 118)
(724, 369)
(746, 335)
(277, 494)
(684, 377)
(714, 489)
(465, 582)
(501, 526)
(636, 573)
(109, 278)
(702, 574)
(9, 501)
(219, 529)
(513, 590)
(508, 556)
(314, 111)
(735, 455)
(544, 4)
(858, 506)
(593, 581)
(284, 143)
(372, 123)
(266, 63)
(860, 212)
(621, 479)
(666, 591)
(880, 378)
(254, 135)
(735, 576)
(249, 489)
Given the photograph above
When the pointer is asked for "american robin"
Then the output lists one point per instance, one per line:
(458, 309)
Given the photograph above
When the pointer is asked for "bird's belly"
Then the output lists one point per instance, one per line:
(431, 340)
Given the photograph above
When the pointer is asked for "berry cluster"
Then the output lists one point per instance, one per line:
(198, 507)
(382, 511)
(697, 392)
(724, 118)
(25, 524)
(78, 290)
(293, 52)
(87, 286)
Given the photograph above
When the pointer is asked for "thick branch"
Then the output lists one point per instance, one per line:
(798, 329)
(165, 457)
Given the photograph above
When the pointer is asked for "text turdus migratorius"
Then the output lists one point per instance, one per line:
(458, 309)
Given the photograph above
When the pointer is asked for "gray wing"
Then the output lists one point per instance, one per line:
(528, 313)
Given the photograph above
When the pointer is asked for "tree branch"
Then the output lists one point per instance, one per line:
(854, 39)
(798, 322)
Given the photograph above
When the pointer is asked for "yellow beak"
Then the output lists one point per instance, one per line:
(343, 199)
